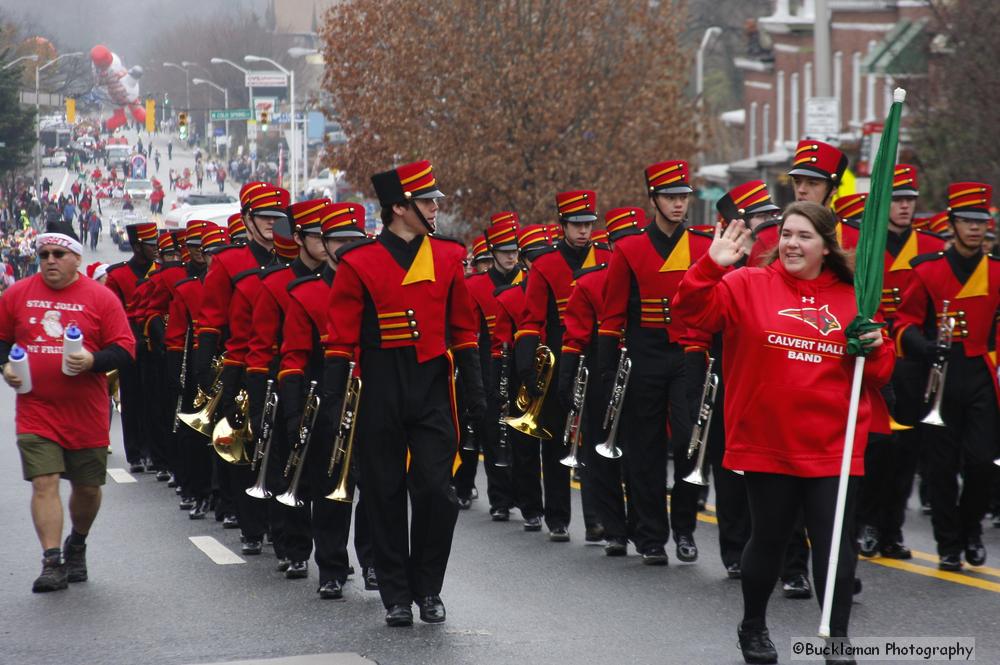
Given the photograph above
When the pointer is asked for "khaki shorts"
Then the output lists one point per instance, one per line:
(41, 457)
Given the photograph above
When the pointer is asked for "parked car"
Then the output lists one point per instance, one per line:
(57, 158)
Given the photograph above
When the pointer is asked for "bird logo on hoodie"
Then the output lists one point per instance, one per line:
(819, 318)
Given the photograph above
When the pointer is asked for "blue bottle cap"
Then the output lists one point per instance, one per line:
(16, 353)
(73, 332)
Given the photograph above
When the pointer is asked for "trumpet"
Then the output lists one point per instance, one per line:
(531, 407)
(613, 415)
(343, 442)
(262, 450)
(574, 419)
(503, 445)
(297, 458)
(205, 404)
(939, 370)
(231, 442)
(699, 435)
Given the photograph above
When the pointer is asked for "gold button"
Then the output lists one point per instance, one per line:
(413, 324)
(667, 320)
(415, 334)
(409, 312)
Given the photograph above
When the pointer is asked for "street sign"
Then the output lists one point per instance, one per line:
(266, 80)
(822, 117)
(251, 130)
(220, 131)
(232, 114)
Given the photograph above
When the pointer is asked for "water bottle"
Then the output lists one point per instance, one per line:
(72, 343)
(18, 360)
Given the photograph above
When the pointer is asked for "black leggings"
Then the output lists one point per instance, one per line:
(775, 500)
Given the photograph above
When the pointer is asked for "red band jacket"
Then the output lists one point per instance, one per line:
(584, 310)
(186, 302)
(901, 249)
(788, 378)
(304, 329)
(123, 278)
(268, 313)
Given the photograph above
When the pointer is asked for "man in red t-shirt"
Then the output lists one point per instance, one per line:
(62, 421)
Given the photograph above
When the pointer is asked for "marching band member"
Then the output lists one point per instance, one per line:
(967, 443)
(321, 233)
(546, 296)
(401, 298)
(785, 425)
(602, 477)
(641, 284)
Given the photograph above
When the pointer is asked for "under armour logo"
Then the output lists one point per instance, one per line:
(809, 299)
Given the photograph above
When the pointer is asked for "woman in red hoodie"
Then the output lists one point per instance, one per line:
(788, 382)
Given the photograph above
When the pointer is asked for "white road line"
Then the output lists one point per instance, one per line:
(63, 183)
(121, 476)
(215, 550)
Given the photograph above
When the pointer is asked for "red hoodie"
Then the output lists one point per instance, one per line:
(788, 378)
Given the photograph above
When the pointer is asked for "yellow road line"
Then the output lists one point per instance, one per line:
(924, 556)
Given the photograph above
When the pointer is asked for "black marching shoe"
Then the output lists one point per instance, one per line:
(252, 547)
(869, 541)
(464, 504)
(499, 514)
(431, 609)
(687, 551)
(186, 503)
(533, 523)
(371, 580)
(616, 547)
(797, 587)
(838, 645)
(172, 482)
(334, 590)
(199, 510)
(230, 522)
(474, 494)
(734, 571)
(399, 616)
(75, 561)
(283, 565)
(136, 468)
(655, 556)
(756, 645)
(559, 534)
(53, 577)
(594, 535)
(896, 550)
(163, 476)
(297, 570)
(951, 562)
(975, 552)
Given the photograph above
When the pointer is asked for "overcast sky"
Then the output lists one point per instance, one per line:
(124, 26)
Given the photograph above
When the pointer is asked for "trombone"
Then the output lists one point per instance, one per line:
(939, 370)
(614, 413)
(297, 458)
(574, 419)
(699, 435)
(262, 451)
(531, 407)
(343, 442)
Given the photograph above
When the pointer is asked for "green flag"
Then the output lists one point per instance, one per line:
(870, 252)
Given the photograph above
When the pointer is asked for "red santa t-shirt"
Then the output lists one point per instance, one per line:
(70, 410)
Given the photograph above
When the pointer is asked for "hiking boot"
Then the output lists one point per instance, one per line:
(75, 561)
(53, 577)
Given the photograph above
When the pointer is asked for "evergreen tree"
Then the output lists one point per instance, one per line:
(17, 122)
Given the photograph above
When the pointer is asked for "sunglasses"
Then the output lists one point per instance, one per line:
(55, 253)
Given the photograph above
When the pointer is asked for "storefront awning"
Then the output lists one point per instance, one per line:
(903, 51)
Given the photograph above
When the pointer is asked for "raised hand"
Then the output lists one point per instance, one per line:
(729, 246)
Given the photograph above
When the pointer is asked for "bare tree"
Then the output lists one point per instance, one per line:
(513, 100)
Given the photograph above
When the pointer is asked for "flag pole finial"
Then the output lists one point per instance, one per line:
(899, 95)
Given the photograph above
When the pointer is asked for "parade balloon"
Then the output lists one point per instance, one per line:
(117, 86)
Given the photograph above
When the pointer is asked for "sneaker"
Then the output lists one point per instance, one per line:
(797, 587)
(559, 534)
(53, 577)
(756, 645)
(297, 570)
(616, 547)
(869, 541)
(75, 561)
(371, 580)
(251, 547)
(533, 523)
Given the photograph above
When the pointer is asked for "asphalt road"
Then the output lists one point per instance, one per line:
(512, 597)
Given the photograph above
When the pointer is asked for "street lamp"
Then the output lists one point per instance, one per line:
(225, 96)
(300, 52)
(253, 107)
(38, 120)
(187, 81)
(699, 88)
(33, 56)
(291, 103)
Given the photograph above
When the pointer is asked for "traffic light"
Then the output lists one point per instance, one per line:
(70, 111)
(264, 117)
(182, 125)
